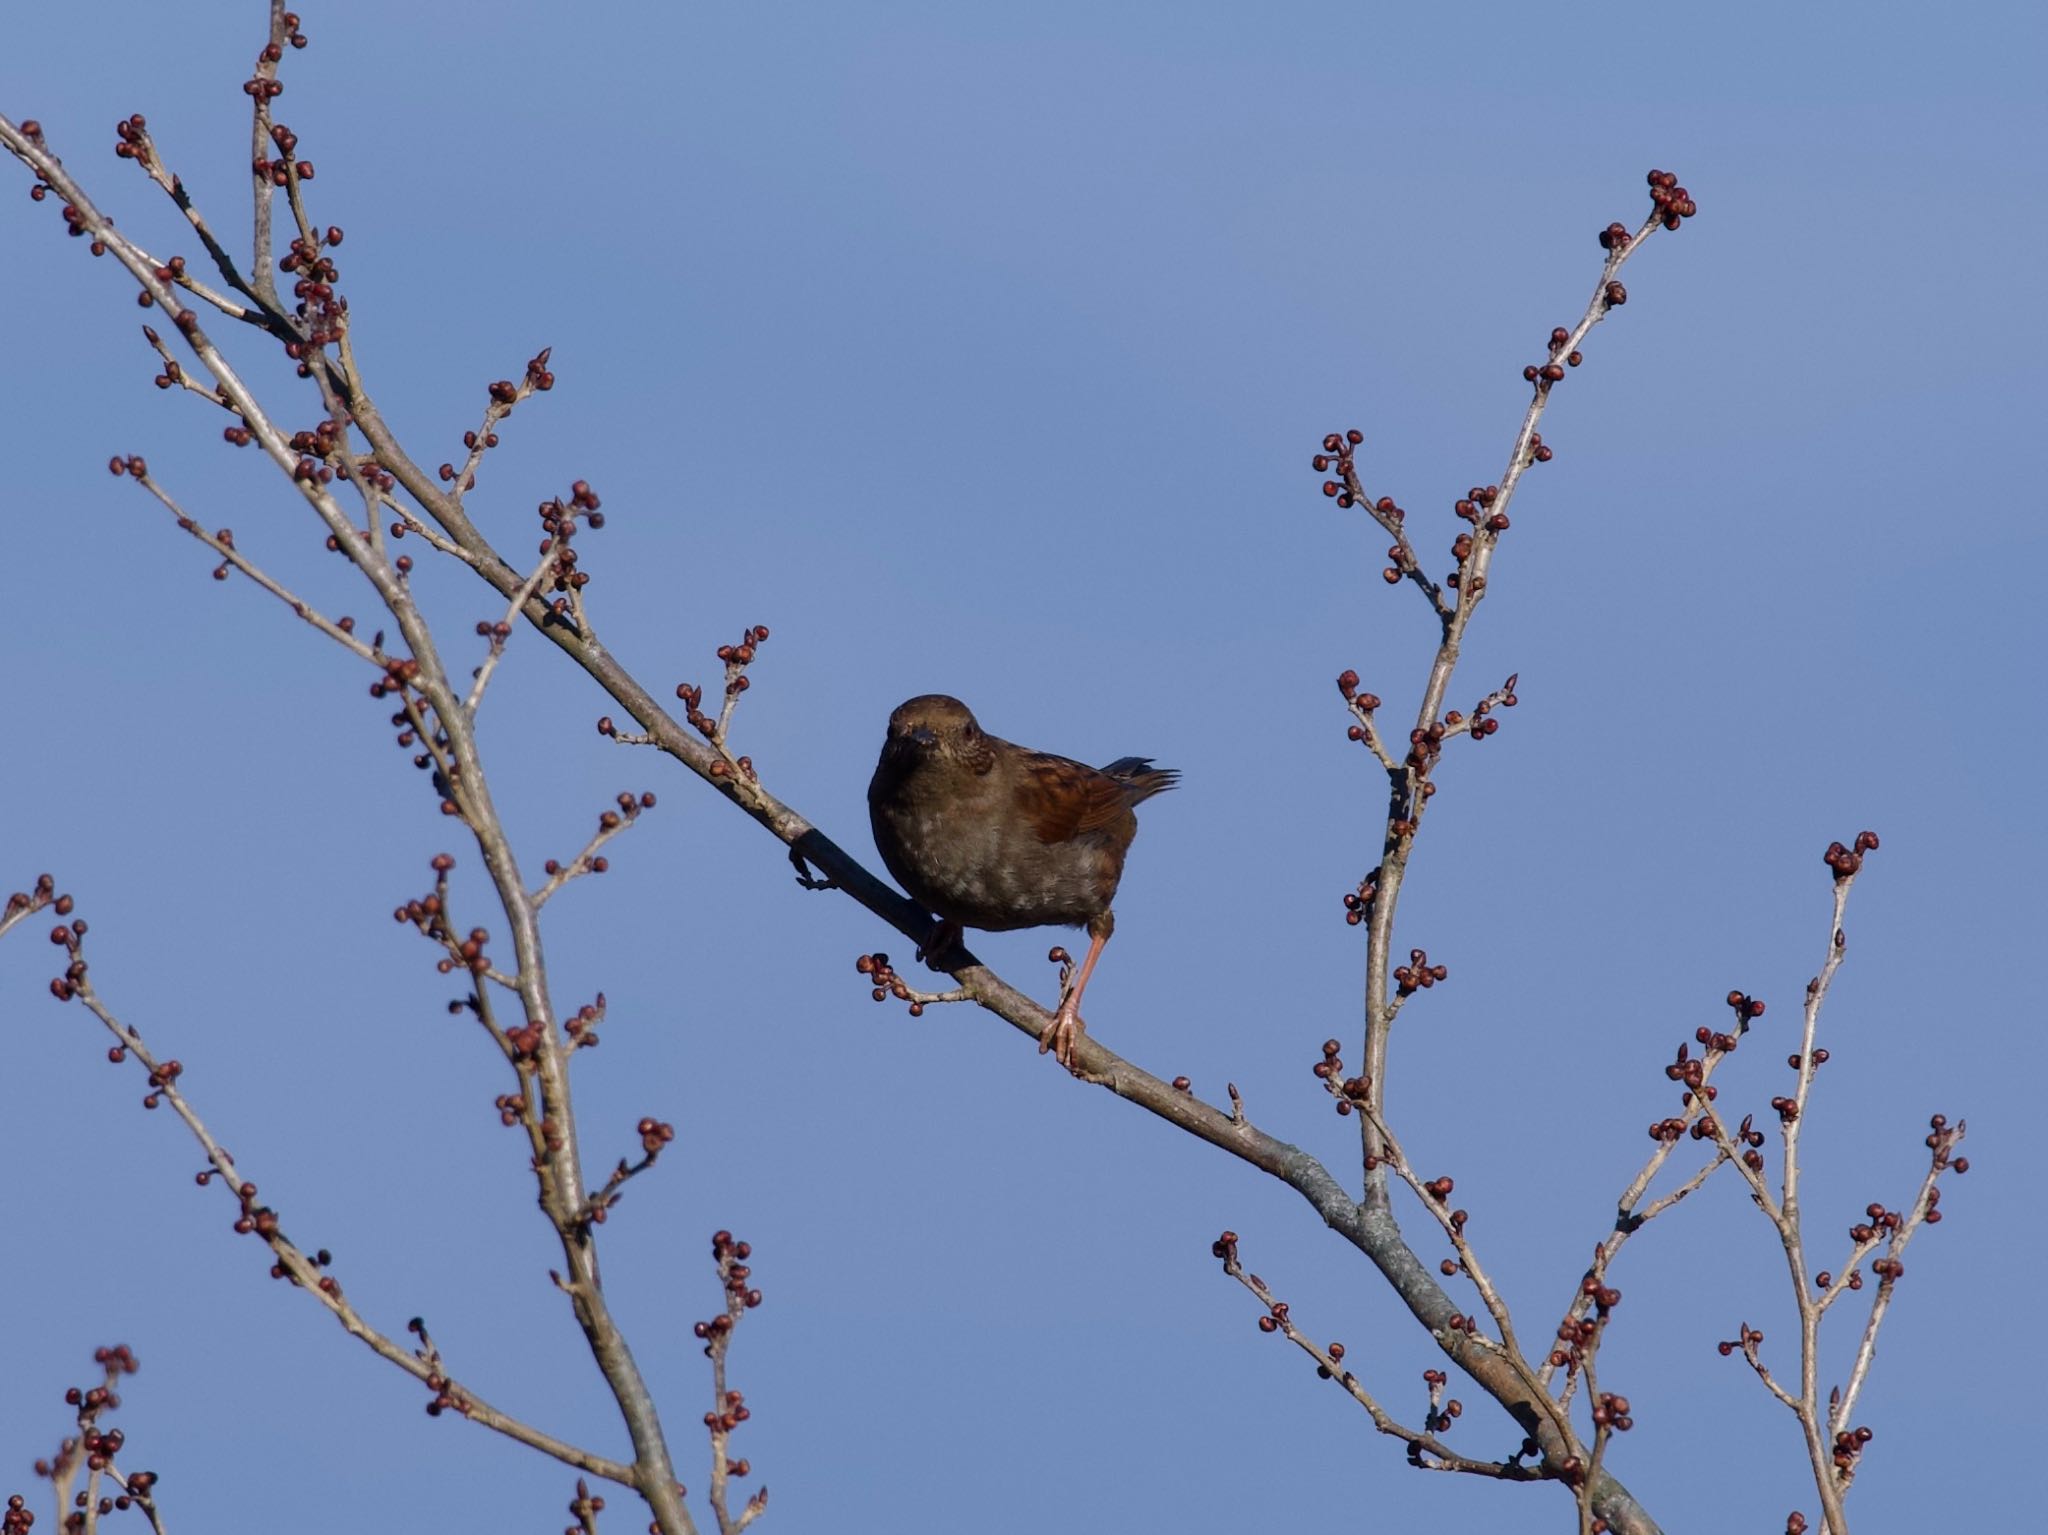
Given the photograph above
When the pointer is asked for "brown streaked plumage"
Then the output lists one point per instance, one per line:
(992, 835)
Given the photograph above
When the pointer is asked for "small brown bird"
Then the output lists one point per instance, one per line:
(992, 835)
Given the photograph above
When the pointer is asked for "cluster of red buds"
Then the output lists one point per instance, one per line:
(131, 136)
(1483, 723)
(1670, 199)
(1425, 745)
(692, 697)
(885, 982)
(1847, 862)
(262, 1221)
(1347, 684)
(1561, 344)
(69, 936)
(281, 171)
(75, 225)
(45, 894)
(447, 1395)
(654, 1135)
(505, 394)
(1611, 1411)
(1440, 1414)
(1474, 507)
(581, 1026)
(95, 1447)
(736, 658)
(1338, 448)
(1849, 1445)
(586, 1506)
(264, 83)
(1418, 974)
(526, 1041)
(161, 1077)
(558, 527)
(739, 657)
(469, 954)
(323, 313)
(426, 912)
(1578, 1333)
(1747, 1009)
(1747, 1341)
(1941, 1136)
(1348, 1091)
(399, 672)
(323, 455)
(1880, 1220)
(1358, 903)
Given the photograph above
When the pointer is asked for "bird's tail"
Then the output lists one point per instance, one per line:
(1140, 778)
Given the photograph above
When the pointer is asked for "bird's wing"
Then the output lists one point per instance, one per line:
(1065, 799)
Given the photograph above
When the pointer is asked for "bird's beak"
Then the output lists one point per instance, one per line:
(923, 738)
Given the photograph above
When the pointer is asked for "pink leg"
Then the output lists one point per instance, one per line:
(1066, 1028)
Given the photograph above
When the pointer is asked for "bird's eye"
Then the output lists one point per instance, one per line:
(971, 733)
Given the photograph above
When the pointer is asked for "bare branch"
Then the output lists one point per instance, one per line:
(609, 825)
(308, 1271)
(1425, 1451)
(341, 631)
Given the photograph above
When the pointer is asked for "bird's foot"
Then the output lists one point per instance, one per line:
(1063, 1038)
(805, 877)
(940, 944)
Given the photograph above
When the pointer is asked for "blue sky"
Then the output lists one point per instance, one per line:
(983, 349)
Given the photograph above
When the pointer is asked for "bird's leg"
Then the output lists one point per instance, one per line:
(944, 939)
(1063, 1034)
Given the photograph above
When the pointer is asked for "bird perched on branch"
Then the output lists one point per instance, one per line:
(989, 834)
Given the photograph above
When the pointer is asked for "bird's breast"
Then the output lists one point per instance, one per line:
(972, 864)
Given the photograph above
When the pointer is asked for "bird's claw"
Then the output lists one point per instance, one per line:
(939, 944)
(805, 877)
(1062, 1037)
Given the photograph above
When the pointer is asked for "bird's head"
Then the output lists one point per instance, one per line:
(935, 729)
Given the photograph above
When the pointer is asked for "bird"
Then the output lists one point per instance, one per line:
(988, 834)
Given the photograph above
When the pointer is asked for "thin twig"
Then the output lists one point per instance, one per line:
(1945, 1141)
(1425, 1451)
(609, 825)
(499, 632)
(223, 545)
